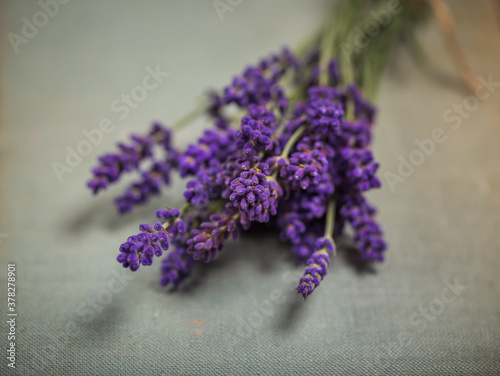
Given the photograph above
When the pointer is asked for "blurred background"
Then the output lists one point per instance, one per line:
(432, 308)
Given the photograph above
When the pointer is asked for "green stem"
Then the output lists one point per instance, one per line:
(189, 118)
(184, 208)
(330, 219)
(347, 17)
(295, 96)
(292, 140)
(326, 54)
(289, 145)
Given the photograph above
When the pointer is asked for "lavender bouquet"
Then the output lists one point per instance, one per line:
(296, 156)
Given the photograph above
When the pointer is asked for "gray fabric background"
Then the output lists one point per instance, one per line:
(240, 315)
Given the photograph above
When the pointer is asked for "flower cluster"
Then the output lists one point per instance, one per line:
(206, 242)
(298, 160)
(155, 148)
(176, 266)
(254, 193)
(140, 249)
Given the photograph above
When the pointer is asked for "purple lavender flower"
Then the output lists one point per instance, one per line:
(192, 159)
(303, 168)
(208, 241)
(256, 131)
(358, 132)
(259, 84)
(196, 193)
(368, 235)
(324, 114)
(113, 165)
(317, 267)
(140, 249)
(174, 223)
(253, 137)
(358, 168)
(362, 108)
(213, 146)
(162, 136)
(305, 247)
(151, 183)
(255, 193)
(292, 227)
(176, 266)
(313, 201)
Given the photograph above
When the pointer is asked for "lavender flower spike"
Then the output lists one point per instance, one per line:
(140, 249)
(317, 267)
(318, 263)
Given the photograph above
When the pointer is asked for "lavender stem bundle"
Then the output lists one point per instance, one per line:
(297, 159)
